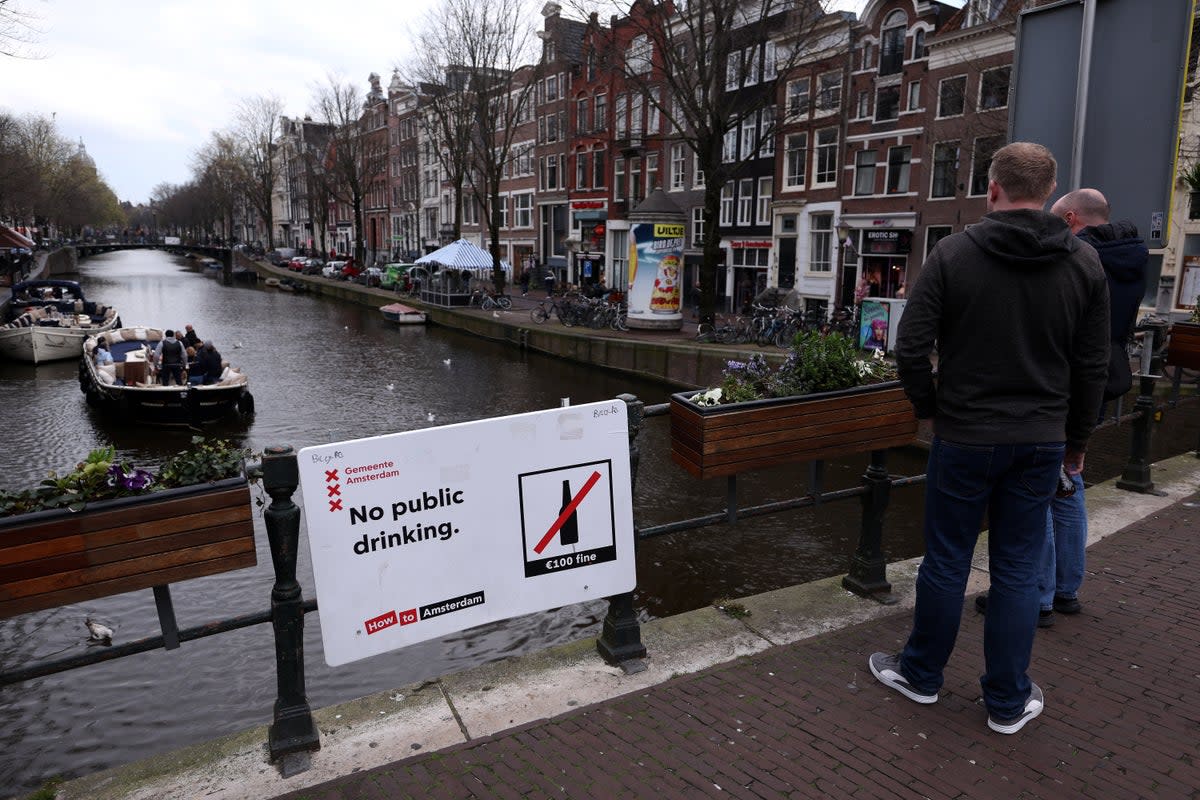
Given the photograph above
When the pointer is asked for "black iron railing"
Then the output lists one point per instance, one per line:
(293, 730)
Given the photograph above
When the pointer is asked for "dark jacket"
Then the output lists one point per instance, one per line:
(208, 364)
(1123, 255)
(1018, 309)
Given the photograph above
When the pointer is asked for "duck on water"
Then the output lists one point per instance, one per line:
(129, 386)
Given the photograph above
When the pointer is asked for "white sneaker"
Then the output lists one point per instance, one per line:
(1033, 707)
(887, 669)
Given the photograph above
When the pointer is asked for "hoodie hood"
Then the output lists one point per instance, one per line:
(1024, 238)
(1121, 250)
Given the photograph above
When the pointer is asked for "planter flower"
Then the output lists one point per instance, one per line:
(824, 401)
(107, 528)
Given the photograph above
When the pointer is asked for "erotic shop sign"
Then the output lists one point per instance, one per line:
(421, 534)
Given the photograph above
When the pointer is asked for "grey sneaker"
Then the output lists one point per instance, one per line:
(1033, 707)
(887, 669)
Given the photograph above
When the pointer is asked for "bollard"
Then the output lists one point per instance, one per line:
(621, 638)
(868, 570)
(1136, 475)
(293, 729)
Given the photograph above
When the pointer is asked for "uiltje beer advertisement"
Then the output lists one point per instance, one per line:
(418, 535)
(655, 269)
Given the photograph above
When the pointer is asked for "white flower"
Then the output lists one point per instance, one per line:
(712, 397)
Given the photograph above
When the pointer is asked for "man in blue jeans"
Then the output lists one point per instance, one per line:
(1017, 308)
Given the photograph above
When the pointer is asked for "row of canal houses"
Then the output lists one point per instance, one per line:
(863, 153)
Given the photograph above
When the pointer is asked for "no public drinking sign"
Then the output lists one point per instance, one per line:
(421, 534)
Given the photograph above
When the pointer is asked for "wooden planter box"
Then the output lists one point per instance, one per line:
(53, 558)
(712, 441)
(1183, 349)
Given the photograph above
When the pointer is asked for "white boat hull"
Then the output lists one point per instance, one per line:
(37, 344)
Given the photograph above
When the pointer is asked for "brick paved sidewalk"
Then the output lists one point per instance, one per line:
(1122, 716)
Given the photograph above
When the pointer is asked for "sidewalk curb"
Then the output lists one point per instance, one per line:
(390, 726)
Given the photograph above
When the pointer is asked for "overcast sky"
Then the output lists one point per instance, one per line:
(143, 83)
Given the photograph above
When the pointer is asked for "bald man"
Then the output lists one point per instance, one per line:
(1123, 255)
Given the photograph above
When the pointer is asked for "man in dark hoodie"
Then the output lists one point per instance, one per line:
(1018, 310)
(1123, 255)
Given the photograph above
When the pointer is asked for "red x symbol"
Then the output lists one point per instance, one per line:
(331, 475)
(333, 490)
(335, 505)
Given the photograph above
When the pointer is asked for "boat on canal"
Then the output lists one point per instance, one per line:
(402, 314)
(48, 320)
(129, 386)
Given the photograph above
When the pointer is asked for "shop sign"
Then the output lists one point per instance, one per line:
(588, 204)
(887, 242)
(742, 244)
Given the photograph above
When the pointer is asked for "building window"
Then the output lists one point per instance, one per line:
(821, 232)
(523, 206)
(678, 166)
(552, 88)
(745, 201)
(598, 173)
(993, 88)
(899, 164)
(914, 95)
(550, 173)
(651, 172)
(619, 178)
(639, 55)
(981, 161)
(581, 161)
(620, 252)
(797, 160)
(864, 105)
(945, 169)
(766, 132)
(891, 46)
(635, 180)
(770, 62)
(749, 135)
(919, 48)
(864, 172)
(867, 59)
(727, 204)
(697, 173)
(581, 115)
(933, 235)
(766, 187)
(825, 157)
(729, 146)
(951, 93)
(980, 11)
(797, 99)
(698, 226)
(887, 103)
(653, 115)
(600, 118)
(829, 92)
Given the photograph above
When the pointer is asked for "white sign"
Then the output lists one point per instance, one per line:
(418, 535)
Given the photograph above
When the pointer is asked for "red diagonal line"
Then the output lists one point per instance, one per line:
(333, 490)
(331, 474)
(567, 512)
(335, 505)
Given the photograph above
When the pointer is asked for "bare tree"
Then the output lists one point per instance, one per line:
(478, 67)
(217, 169)
(351, 160)
(256, 129)
(698, 63)
(19, 30)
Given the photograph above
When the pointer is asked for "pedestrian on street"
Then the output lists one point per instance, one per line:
(1017, 308)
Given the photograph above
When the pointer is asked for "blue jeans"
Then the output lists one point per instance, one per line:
(1066, 546)
(1013, 484)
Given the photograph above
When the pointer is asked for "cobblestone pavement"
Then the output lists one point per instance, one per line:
(1122, 714)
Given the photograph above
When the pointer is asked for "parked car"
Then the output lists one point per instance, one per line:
(351, 271)
(313, 266)
(333, 269)
(297, 263)
(396, 276)
(371, 276)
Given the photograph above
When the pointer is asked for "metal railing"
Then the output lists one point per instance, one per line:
(293, 730)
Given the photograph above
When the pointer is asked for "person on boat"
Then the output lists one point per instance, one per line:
(208, 365)
(102, 355)
(171, 356)
(190, 338)
(191, 372)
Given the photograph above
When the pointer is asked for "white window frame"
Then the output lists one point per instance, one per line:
(678, 167)
(829, 100)
(727, 204)
(766, 134)
(914, 95)
(1007, 91)
(820, 250)
(860, 171)
(697, 226)
(953, 176)
(766, 189)
(523, 210)
(904, 167)
(796, 157)
(745, 202)
(749, 137)
(825, 151)
(798, 99)
(941, 84)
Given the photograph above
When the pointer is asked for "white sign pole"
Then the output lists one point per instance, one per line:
(421, 534)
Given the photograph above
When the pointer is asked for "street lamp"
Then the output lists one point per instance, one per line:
(843, 233)
(842, 228)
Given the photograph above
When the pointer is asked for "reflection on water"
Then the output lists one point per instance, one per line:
(319, 370)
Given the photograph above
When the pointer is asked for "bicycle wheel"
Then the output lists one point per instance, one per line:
(539, 315)
(704, 333)
(504, 301)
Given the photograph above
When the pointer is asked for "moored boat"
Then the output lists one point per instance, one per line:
(402, 314)
(129, 387)
(49, 319)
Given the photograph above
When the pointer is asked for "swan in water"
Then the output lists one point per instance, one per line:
(100, 633)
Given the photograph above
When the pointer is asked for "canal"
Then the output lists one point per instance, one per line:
(320, 371)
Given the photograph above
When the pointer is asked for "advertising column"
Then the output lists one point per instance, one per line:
(655, 275)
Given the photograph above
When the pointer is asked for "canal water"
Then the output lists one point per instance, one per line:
(319, 370)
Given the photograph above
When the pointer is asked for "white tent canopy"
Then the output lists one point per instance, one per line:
(461, 255)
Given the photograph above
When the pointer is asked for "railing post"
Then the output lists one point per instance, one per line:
(868, 570)
(293, 729)
(1136, 475)
(621, 638)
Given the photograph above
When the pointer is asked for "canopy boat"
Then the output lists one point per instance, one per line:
(398, 312)
(129, 386)
(49, 319)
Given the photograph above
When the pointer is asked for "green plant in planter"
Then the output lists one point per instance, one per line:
(1191, 177)
(816, 363)
(100, 477)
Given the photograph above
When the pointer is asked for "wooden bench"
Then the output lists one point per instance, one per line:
(54, 558)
